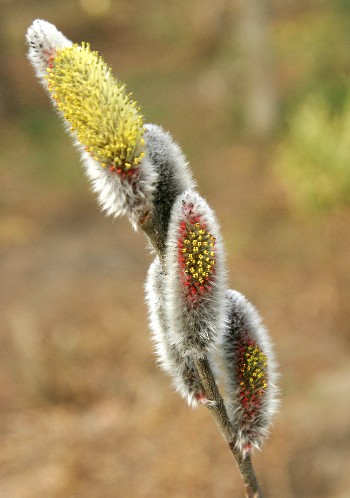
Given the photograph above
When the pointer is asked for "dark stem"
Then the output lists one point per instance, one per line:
(219, 413)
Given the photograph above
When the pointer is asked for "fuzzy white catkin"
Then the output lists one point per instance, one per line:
(163, 171)
(164, 175)
(173, 178)
(194, 323)
(244, 325)
(168, 158)
(181, 369)
(117, 196)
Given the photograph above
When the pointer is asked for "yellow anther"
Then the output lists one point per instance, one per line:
(109, 127)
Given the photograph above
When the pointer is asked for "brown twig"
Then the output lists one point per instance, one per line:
(219, 413)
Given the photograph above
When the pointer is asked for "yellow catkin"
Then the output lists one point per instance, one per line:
(104, 118)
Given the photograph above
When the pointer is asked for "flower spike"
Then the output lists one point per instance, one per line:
(195, 278)
(104, 121)
(181, 369)
(103, 117)
(250, 372)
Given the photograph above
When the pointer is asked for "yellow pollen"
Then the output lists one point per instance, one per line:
(197, 263)
(104, 118)
(252, 367)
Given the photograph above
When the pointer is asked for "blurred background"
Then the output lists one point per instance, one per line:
(258, 95)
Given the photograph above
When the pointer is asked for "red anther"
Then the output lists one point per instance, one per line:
(50, 61)
(248, 447)
(119, 171)
(112, 169)
(201, 398)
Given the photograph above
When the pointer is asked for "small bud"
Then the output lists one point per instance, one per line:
(181, 369)
(195, 279)
(173, 178)
(169, 161)
(250, 372)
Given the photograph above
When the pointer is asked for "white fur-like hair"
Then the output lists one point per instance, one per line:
(43, 39)
(182, 370)
(193, 327)
(244, 323)
(117, 196)
(162, 150)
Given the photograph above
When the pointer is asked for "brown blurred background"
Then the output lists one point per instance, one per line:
(258, 95)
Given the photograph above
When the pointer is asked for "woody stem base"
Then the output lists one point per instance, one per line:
(219, 413)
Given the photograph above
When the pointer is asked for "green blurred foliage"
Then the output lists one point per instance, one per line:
(312, 57)
(313, 158)
(312, 152)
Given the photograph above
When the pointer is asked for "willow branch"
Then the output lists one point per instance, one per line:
(217, 408)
